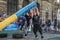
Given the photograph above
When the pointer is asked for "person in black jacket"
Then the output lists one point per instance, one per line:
(55, 24)
(36, 24)
(48, 23)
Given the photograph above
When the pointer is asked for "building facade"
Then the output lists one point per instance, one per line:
(47, 8)
(3, 6)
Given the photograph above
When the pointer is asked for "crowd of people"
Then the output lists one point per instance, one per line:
(32, 21)
(3, 16)
(50, 25)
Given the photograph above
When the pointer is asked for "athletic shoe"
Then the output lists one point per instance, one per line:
(42, 36)
(25, 34)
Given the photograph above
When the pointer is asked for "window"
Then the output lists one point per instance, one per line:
(58, 1)
(58, 11)
(12, 6)
(25, 2)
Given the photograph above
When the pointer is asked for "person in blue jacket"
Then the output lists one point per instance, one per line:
(21, 22)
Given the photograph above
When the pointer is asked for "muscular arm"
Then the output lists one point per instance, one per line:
(16, 21)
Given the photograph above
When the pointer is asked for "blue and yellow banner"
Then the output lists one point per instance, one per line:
(13, 17)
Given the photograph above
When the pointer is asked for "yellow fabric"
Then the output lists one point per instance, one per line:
(6, 22)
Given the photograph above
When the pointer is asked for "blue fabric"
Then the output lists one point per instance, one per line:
(12, 26)
(25, 9)
(10, 29)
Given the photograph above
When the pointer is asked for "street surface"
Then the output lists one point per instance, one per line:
(47, 36)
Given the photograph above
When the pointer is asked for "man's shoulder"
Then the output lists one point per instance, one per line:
(24, 18)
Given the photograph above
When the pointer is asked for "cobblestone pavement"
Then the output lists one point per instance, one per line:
(47, 36)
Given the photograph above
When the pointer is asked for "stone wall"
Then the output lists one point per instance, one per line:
(43, 6)
(3, 6)
(46, 7)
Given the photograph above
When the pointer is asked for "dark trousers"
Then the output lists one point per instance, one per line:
(37, 28)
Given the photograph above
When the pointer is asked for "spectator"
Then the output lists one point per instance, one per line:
(4, 15)
(52, 25)
(48, 23)
(55, 24)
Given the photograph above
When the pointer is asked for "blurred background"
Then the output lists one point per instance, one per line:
(49, 9)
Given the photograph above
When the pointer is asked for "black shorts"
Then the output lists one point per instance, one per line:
(28, 23)
(37, 28)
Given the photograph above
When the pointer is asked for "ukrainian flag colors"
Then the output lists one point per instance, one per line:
(12, 18)
(6, 22)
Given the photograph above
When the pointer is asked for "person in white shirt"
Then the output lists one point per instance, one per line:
(52, 25)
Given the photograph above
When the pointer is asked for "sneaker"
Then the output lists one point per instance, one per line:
(25, 34)
(42, 36)
(36, 36)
